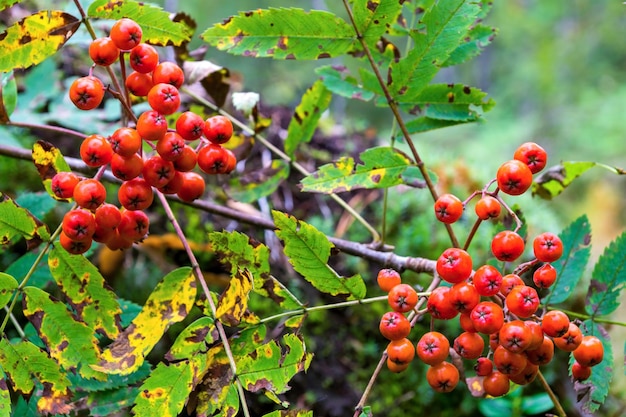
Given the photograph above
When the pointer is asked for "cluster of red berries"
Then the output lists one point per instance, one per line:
(503, 329)
(168, 167)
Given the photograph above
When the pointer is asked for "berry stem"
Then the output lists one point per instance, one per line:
(472, 233)
(375, 235)
(551, 394)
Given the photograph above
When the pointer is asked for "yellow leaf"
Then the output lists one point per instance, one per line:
(233, 302)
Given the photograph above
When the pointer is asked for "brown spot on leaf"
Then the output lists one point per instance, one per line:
(450, 97)
(290, 56)
(282, 43)
(376, 178)
(260, 384)
(467, 89)
(372, 5)
(26, 38)
(323, 55)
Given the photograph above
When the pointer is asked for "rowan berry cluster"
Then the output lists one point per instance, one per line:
(504, 331)
(145, 155)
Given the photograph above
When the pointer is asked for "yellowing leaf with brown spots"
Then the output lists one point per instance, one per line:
(214, 393)
(86, 291)
(382, 167)
(73, 344)
(34, 38)
(25, 365)
(48, 160)
(169, 303)
(233, 302)
(17, 222)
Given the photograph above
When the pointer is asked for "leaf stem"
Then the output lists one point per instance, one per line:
(396, 112)
(552, 395)
(285, 157)
(588, 316)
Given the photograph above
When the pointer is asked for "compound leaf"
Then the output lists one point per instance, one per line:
(592, 392)
(8, 285)
(270, 367)
(382, 168)
(373, 18)
(156, 26)
(445, 25)
(576, 240)
(16, 221)
(238, 251)
(169, 303)
(308, 250)
(71, 343)
(608, 279)
(282, 33)
(86, 291)
(314, 102)
(26, 364)
(34, 38)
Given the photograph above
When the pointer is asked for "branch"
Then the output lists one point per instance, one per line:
(365, 251)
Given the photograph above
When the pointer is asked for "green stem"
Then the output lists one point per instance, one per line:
(587, 317)
(304, 309)
(552, 395)
(15, 323)
(285, 157)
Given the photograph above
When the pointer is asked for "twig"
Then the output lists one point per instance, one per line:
(552, 395)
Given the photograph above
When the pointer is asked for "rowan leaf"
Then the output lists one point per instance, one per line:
(5, 396)
(477, 39)
(169, 303)
(112, 382)
(382, 168)
(107, 403)
(16, 222)
(282, 33)
(253, 185)
(608, 279)
(25, 364)
(215, 392)
(35, 38)
(166, 391)
(8, 285)
(48, 160)
(308, 250)
(554, 180)
(86, 291)
(233, 302)
(270, 367)
(238, 251)
(8, 96)
(445, 24)
(570, 268)
(156, 25)
(425, 124)
(592, 392)
(71, 343)
(374, 17)
(451, 102)
(306, 116)
(338, 80)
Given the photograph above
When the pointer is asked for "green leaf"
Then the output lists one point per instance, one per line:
(478, 38)
(425, 124)
(26, 409)
(451, 102)
(112, 382)
(35, 38)
(26, 364)
(106, 403)
(233, 302)
(166, 391)
(308, 250)
(374, 17)
(307, 114)
(8, 96)
(592, 393)
(237, 250)
(282, 33)
(70, 342)
(4, 4)
(48, 160)
(570, 268)
(16, 221)
(39, 203)
(338, 80)
(445, 25)
(156, 26)
(555, 179)
(257, 184)
(382, 168)
(608, 279)
(86, 291)
(5, 396)
(270, 367)
(8, 285)
(197, 336)
(536, 404)
(40, 278)
(169, 303)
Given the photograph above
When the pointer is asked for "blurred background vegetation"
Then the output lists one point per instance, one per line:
(557, 72)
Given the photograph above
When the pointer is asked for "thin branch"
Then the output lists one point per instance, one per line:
(551, 394)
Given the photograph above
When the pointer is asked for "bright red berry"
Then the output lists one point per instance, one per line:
(532, 155)
(514, 177)
(126, 34)
(507, 246)
(448, 208)
(547, 247)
